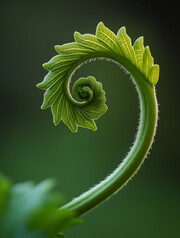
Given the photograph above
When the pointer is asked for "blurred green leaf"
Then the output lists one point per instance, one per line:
(30, 211)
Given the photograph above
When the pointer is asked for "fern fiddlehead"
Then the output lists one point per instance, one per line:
(137, 60)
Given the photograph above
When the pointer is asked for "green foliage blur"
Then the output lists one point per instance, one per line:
(29, 210)
(33, 149)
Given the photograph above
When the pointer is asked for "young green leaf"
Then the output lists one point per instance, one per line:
(147, 62)
(125, 44)
(51, 78)
(52, 94)
(107, 37)
(60, 62)
(89, 41)
(139, 52)
(72, 48)
(154, 74)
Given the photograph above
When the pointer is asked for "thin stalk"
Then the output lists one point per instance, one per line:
(135, 157)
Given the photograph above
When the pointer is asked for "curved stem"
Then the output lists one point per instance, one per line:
(135, 157)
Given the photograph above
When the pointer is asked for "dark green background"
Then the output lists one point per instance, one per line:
(32, 148)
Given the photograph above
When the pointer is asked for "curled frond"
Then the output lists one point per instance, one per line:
(104, 44)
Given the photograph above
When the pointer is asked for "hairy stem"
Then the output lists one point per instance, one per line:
(135, 157)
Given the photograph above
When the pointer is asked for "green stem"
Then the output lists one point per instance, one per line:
(135, 157)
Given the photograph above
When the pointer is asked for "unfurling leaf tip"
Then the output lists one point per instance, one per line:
(56, 47)
(45, 66)
(100, 24)
(77, 35)
(122, 30)
(43, 106)
(39, 85)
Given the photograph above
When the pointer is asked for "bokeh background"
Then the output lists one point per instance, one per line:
(32, 148)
